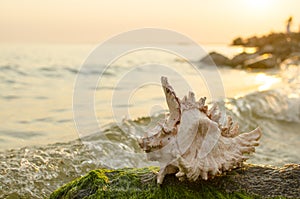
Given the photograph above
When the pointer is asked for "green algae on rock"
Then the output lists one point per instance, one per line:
(250, 181)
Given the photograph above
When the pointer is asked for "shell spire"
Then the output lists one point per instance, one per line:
(173, 104)
(193, 143)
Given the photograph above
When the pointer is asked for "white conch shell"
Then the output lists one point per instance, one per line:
(193, 143)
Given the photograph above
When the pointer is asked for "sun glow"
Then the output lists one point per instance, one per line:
(266, 82)
(261, 13)
(259, 4)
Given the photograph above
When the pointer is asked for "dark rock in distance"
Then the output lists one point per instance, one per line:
(262, 61)
(281, 45)
(271, 50)
(240, 59)
(217, 59)
(238, 41)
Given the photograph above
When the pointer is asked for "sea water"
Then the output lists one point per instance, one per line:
(42, 146)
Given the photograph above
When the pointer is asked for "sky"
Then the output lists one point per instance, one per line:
(93, 21)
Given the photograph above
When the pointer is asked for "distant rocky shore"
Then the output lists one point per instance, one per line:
(268, 51)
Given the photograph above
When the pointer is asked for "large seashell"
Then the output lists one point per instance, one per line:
(193, 143)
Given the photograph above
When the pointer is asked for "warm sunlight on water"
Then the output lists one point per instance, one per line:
(37, 88)
(266, 81)
(36, 93)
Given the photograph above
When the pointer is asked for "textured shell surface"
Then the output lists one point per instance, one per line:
(193, 143)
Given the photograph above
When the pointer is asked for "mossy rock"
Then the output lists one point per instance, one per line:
(250, 181)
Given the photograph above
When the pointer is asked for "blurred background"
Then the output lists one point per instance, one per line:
(214, 21)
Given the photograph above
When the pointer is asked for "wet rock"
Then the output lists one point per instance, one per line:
(217, 59)
(267, 49)
(292, 59)
(249, 181)
(261, 61)
(240, 59)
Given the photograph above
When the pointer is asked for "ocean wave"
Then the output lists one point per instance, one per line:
(272, 104)
(278, 115)
(34, 172)
(12, 68)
